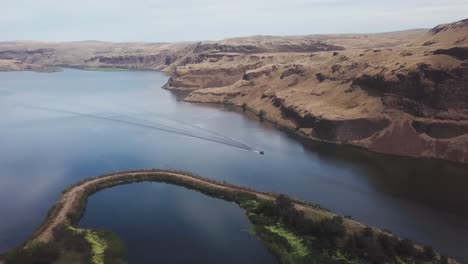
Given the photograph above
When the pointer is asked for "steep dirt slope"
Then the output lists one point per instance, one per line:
(218, 64)
(400, 93)
(14, 65)
(408, 99)
(452, 34)
(155, 56)
(29, 55)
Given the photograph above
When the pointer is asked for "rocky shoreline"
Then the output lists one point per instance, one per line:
(301, 134)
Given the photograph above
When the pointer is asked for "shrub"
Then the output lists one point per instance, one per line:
(261, 115)
(274, 238)
(405, 248)
(428, 253)
(267, 208)
(115, 250)
(38, 253)
(332, 227)
(320, 77)
(244, 196)
(388, 244)
(244, 106)
(73, 241)
(261, 220)
(365, 245)
(443, 260)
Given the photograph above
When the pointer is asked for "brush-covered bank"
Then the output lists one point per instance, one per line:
(293, 230)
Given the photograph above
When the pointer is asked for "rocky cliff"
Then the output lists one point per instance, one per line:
(401, 93)
(407, 98)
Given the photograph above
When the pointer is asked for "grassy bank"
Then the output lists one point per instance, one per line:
(293, 230)
(105, 69)
(294, 238)
(72, 245)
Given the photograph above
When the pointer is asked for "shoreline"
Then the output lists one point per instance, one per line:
(303, 138)
(72, 204)
(63, 211)
(306, 139)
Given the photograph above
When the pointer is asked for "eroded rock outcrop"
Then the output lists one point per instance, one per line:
(402, 93)
(408, 100)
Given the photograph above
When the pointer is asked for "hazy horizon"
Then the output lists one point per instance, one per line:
(158, 21)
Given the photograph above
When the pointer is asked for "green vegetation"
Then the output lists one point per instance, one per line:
(319, 237)
(73, 245)
(249, 204)
(274, 222)
(49, 69)
(297, 239)
(296, 243)
(104, 69)
(36, 253)
(106, 248)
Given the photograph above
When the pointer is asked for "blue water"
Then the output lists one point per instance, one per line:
(42, 152)
(169, 224)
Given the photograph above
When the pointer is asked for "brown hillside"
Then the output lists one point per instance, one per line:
(400, 93)
(446, 35)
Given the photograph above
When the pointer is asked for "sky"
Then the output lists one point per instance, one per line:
(189, 20)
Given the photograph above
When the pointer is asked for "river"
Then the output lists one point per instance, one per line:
(44, 149)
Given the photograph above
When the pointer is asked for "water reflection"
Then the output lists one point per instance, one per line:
(420, 199)
(170, 224)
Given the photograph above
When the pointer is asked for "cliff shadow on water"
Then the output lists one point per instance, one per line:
(434, 183)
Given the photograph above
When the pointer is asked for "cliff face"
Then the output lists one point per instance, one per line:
(155, 56)
(402, 98)
(400, 93)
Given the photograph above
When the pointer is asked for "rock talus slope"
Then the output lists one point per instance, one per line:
(402, 93)
(403, 98)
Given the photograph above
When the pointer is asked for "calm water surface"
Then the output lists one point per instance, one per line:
(171, 224)
(43, 151)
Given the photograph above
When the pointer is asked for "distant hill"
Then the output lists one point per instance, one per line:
(447, 35)
(402, 93)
